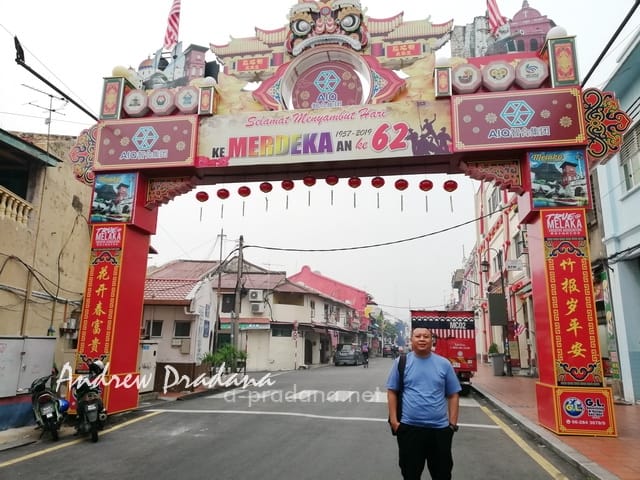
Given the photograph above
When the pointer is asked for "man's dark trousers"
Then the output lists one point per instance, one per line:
(419, 444)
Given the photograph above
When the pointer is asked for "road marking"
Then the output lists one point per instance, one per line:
(539, 459)
(72, 442)
(298, 414)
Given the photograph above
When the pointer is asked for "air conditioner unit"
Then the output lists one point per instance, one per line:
(256, 295)
(257, 307)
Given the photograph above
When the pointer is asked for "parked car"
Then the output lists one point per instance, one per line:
(348, 354)
(387, 351)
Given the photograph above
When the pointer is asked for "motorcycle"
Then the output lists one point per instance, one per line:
(91, 414)
(48, 409)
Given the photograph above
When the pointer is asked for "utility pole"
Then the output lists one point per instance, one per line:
(214, 342)
(235, 335)
(505, 329)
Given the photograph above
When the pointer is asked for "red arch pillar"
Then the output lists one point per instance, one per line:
(571, 396)
(114, 293)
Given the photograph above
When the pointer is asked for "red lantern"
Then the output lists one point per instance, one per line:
(354, 182)
(309, 181)
(426, 185)
(223, 193)
(377, 182)
(266, 187)
(401, 184)
(287, 184)
(450, 185)
(202, 196)
(331, 180)
(244, 191)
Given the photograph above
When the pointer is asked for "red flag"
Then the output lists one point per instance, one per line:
(496, 20)
(173, 24)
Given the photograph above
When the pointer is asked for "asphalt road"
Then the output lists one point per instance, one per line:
(323, 423)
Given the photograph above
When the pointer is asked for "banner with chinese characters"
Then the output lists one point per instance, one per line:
(574, 328)
(101, 292)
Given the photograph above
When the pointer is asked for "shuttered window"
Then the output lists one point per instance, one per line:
(630, 158)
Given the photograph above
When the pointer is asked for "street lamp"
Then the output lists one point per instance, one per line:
(484, 267)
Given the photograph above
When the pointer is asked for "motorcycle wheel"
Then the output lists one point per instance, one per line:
(53, 428)
(94, 432)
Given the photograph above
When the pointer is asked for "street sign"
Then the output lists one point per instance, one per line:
(513, 265)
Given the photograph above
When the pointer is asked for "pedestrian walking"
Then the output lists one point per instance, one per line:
(423, 406)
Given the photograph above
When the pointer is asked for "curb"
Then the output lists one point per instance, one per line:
(575, 458)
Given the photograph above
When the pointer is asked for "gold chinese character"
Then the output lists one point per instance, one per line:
(103, 274)
(577, 350)
(99, 310)
(568, 285)
(100, 290)
(567, 264)
(574, 326)
(95, 343)
(96, 326)
(572, 305)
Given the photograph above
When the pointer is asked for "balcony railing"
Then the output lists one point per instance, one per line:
(13, 207)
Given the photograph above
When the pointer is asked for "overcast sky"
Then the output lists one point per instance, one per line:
(74, 44)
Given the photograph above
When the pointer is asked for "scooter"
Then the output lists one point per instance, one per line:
(90, 408)
(48, 409)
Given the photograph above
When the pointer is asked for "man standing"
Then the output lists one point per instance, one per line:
(429, 405)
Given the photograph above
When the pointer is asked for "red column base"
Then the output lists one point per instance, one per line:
(576, 410)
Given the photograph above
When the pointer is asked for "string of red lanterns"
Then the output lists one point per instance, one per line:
(354, 182)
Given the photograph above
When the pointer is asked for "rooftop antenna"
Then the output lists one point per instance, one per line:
(51, 110)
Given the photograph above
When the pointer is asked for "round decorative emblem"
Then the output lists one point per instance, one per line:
(326, 78)
(531, 73)
(136, 103)
(187, 99)
(466, 78)
(498, 76)
(162, 101)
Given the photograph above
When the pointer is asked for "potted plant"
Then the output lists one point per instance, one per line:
(226, 354)
(497, 360)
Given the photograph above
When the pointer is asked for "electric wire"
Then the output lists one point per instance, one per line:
(380, 244)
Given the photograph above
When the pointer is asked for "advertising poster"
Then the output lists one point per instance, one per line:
(113, 196)
(559, 178)
(586, 411)
(518, 119)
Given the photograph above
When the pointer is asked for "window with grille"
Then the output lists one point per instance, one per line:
(630, 158)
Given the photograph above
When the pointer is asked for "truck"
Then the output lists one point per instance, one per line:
(454, 338)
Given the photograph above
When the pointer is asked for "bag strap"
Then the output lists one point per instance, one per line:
(402, 363)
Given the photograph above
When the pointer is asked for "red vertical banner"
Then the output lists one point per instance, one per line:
(574, 327)
(111, 315)
(103, 278)
(576, 403)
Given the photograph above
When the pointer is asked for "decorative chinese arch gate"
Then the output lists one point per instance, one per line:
(330, 105)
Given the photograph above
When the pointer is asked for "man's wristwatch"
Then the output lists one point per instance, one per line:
(453, 427)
